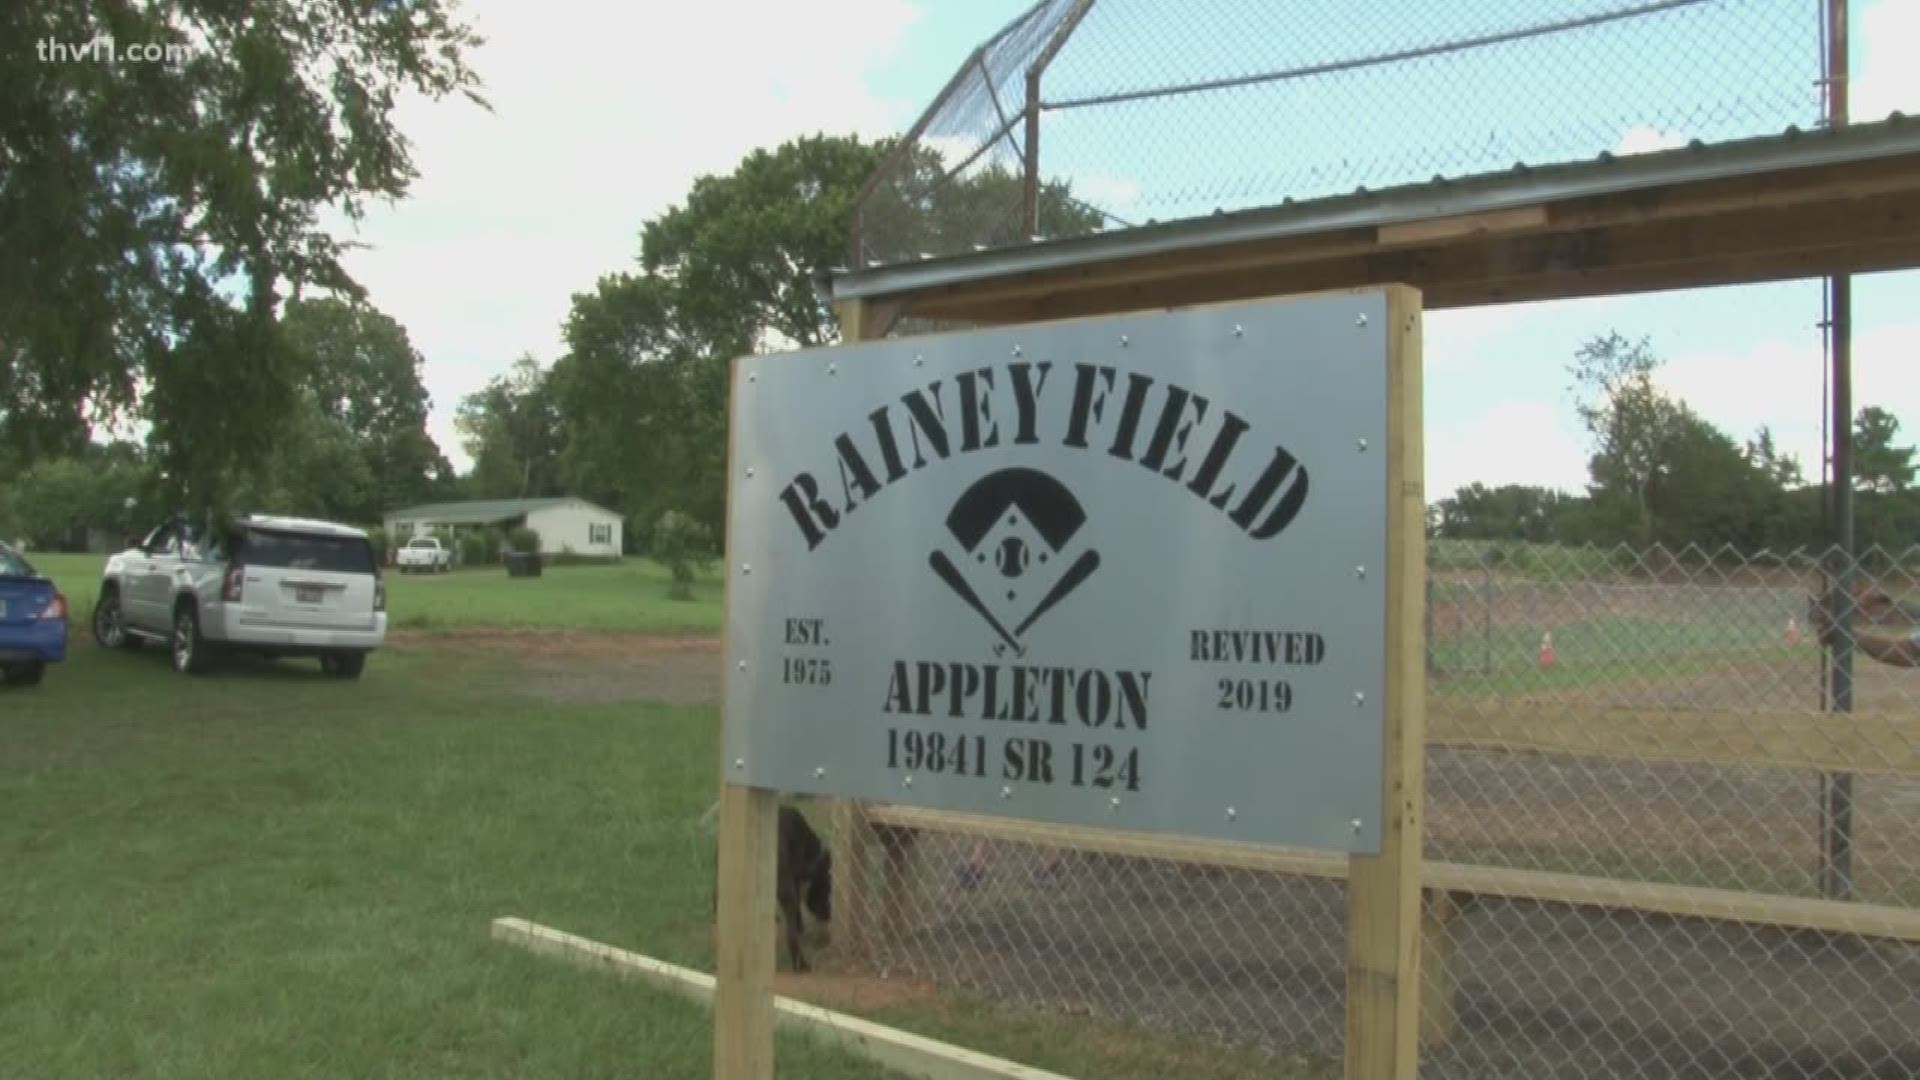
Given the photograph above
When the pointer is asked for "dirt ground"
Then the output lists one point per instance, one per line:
(568, 666)
(1540, 991)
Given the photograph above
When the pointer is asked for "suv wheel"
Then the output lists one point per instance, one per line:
(27, 674)
(110, 622)
(189, 648)
(344, 665)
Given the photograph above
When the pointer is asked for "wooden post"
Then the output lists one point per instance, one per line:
(1429, 617)
(743, 1012)
(1486, 616)
(744, 904)
(853, 894)
(1383, 891)
(1436, 967)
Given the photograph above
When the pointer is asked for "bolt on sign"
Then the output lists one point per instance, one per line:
(1121, 572)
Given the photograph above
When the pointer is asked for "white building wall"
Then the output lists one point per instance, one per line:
(573, 526)
(414, 528)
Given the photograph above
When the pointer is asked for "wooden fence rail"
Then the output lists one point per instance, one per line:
(1862, 742)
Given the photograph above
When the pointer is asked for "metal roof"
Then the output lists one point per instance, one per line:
(1438, 198)
(487, 511)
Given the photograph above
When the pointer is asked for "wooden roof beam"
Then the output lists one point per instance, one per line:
(1771, 243)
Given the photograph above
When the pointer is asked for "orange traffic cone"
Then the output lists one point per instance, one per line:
(1546, 649)
(1793, 631)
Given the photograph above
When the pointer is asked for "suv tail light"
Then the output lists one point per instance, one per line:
(56, 608)
(235, 583)
(379, 593)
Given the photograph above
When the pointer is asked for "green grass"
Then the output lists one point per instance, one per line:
(1605, 640)
(77, 575)
(1597, 652)
(628, 596)
(1551, 562)
(268, 874)
(264, 872)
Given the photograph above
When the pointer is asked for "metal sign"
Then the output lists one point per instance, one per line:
(1118, 572)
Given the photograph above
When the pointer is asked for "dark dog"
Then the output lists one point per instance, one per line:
(804, 875)
(805, 871)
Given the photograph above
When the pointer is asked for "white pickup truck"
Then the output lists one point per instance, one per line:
(424, 554)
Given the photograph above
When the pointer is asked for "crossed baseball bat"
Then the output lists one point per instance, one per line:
(1088, 562)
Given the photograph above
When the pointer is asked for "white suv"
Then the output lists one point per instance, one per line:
(274, 586)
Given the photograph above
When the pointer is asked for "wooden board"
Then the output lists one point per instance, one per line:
(1757, 909)
(1763, 243)
(1793, 191)
(744, 935)
(1139, 845)
(901, 1052)
(1877, 743)
(1856, 217)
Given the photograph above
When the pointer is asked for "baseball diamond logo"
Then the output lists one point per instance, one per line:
(1016, 557)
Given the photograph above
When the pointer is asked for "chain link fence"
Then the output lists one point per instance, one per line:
(1672, 795)
(1092, 115)
(1673, 831)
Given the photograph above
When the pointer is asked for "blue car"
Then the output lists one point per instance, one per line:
(33, 620)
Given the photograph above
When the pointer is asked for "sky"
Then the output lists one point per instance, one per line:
(605, 111)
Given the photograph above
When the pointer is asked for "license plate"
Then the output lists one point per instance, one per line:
(307, 594)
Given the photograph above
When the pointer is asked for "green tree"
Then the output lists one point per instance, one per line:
(643, 405)
(126, 486)
(512, 431)
(1879, 465)
(364, 374)
(743, 248)
(1509, 512)
(642, 391)
(920, 207)
(317, 467)
(35, 422)
(1662, 473)
(684, 546)
(154, 214)
(1705, 490)
(1783, 525)
(1781, 468)
(59, 500)
(1630, 420)
(54, 500)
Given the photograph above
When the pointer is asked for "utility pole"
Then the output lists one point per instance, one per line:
(1836, 789)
